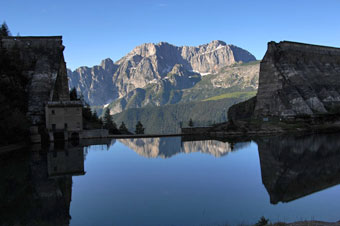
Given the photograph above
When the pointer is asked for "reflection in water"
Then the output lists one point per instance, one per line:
(166, 147)
(293, 167)
(36, 187)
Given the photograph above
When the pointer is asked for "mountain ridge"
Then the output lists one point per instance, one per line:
(149, 63)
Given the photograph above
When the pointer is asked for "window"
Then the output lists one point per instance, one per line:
(65, 126)
(53, 127)
(53, 112)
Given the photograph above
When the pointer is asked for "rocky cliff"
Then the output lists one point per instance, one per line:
(151, 63)
(297, 79)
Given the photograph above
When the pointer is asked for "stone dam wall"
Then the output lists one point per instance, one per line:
(296, 79)
(42, 62)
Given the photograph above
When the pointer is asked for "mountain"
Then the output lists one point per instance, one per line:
(180, 86)
(150, 68)
(167, 147)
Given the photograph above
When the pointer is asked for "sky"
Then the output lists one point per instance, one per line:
(95, 30)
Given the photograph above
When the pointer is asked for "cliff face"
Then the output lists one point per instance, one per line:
(151, 63)
(168, 147)
(42, 63)
(296, 79)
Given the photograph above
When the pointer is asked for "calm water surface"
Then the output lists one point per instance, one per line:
(166, 181)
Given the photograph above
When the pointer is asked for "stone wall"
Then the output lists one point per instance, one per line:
(298, 79)
(295, 80)
(95, 133)
(43, 64)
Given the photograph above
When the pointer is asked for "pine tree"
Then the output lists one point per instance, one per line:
(109, 123)
(73, 94)
(4, 31)
(123, 129)
(139, 128)
(191, 123)
(95, 116)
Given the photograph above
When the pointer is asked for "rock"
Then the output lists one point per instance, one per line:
(150, 63)
(295, 80)
(298, 79)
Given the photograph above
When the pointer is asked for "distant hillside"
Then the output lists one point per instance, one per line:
(183, 87)
(167, 118)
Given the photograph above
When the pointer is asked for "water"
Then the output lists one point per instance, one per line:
(166, 181)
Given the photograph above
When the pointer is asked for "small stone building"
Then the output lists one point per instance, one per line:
(64, 119)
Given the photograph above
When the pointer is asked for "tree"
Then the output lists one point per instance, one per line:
(191, 123)
(95, 116)
(4, 31)
(108, 122)
(73, 94)
(123, 129)
(262, 222)
(139, 128)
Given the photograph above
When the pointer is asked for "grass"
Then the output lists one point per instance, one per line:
(245, 95)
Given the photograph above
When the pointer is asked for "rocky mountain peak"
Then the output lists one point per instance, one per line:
(145, 50)
(217, 43)
(149, 63)
(107, 64)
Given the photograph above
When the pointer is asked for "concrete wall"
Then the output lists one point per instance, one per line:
(196, 130)
(95, 133)
(72, 116)
(42, 62)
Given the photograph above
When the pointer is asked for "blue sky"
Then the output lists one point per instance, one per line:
(94, 30)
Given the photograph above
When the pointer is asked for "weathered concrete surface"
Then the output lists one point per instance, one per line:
(43, 63)
(297, 79)
(94, 133)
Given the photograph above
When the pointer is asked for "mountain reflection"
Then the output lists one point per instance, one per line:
(36, 186)
(166, 147)
(296, 166)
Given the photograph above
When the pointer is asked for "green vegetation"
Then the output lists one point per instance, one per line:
(139, 128)
(191, 123)
(123, 129)
(109, 124)
(248, 63)
(73, 94)
(243, 95)
(90, 117)
(169, 118)
(262, 222)
(4, 31)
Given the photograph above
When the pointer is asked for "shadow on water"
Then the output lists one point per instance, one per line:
(36, 185)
